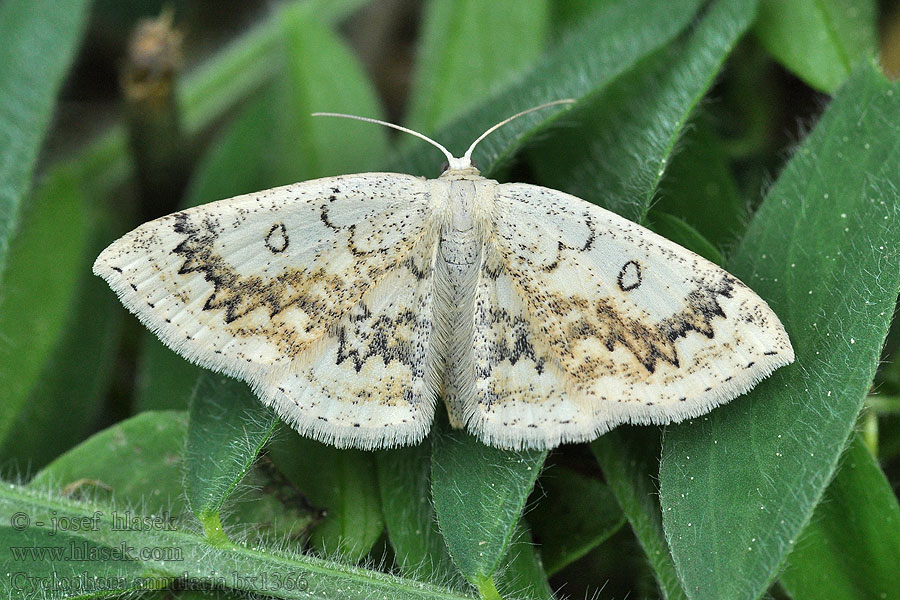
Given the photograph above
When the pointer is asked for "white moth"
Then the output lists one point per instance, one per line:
(351, 303)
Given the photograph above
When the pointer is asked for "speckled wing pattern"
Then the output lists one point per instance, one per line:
(585, 320)
(351, 303)
(319, 294)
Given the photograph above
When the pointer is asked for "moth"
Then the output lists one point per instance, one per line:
(350, 304)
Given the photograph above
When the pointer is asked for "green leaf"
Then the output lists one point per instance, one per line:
(276, 141)
(404, 480)
(43, 264)
(76, 373)
(240, 160)
(618, 35)
(819, 40)
(320, 73)
(216, 87)
(342, 482)
(699, 187)
(479, 493)
(265, 572)
(576, 514)
(739, 484)
(272, 142)
(40, 38)
(37, 560)
(629, 457)
(467, 48)
(683, 234)
(150, 444)
(227, 429)
(851, 547)
(567, 14)
(612, 40)
(164, 379)
(619, 156)
(522, 574)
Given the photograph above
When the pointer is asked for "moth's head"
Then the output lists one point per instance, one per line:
(459, 168)
(464, 164)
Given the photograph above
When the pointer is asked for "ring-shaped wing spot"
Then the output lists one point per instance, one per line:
(249, 284)
(636, 328)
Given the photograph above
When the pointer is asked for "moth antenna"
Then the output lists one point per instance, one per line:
(467, 157)
(450, 157)
(452, 161)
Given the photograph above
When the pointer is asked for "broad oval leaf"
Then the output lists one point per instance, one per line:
(150, 444)
(740, 483)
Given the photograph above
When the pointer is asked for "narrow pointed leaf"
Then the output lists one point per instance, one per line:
(43, 264)
(468, 48)
(227, 429)
(40, 38)
(33, 569)
(629, 458)
(479, 492)
(522, 574)
(610, 41)
(851, 548)
(268, 572)
(819, 40)
(738, 485)
(619, 158)
(75, 375)
(404, 481)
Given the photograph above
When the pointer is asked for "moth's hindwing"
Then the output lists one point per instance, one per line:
(318, 294)
(585, 320)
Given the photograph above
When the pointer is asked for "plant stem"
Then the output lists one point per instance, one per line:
(268, 571)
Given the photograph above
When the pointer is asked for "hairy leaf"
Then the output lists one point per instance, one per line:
(40, 38)
(738, 485)
(850, 549)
